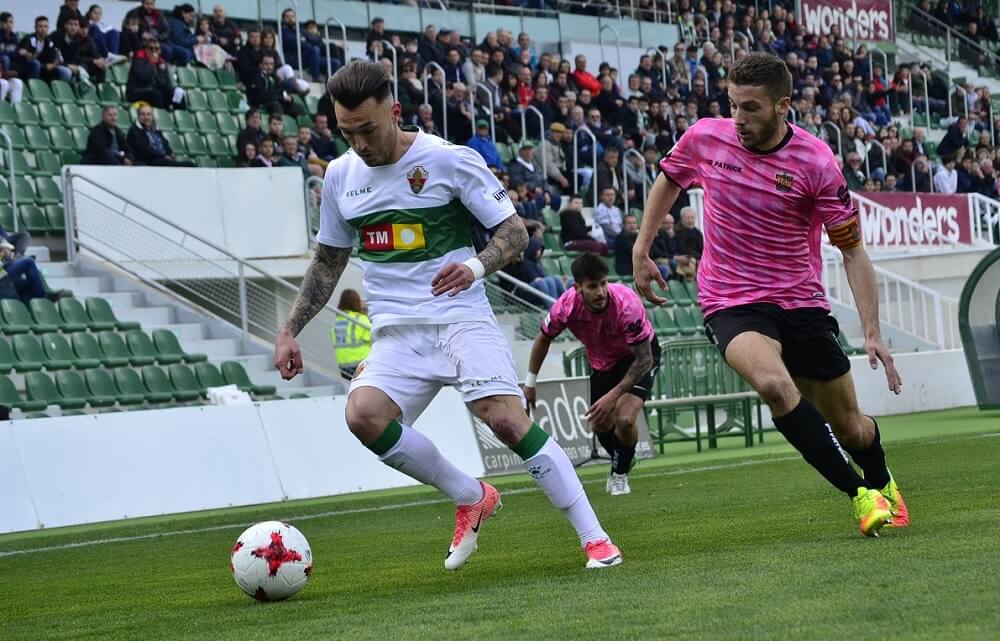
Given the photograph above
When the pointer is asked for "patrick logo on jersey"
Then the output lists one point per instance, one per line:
(390, 237)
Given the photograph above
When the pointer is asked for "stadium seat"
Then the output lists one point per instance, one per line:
(236, 102)
(26, 114)
(46, 315)
(209, 375)
(677, 293)
(39, 91)
(685, 320)
(102, 317)
(184, 122)
(195, 144)
(100, 384)
(74, 316)
(62, 93)
(156, 382)
(225, 161)
(207, 79)
(196, 100)
(664, 323)
(226, 78)
(40, 387)
(205, 162)
(48, 191)
(61, 139)
(234, 374)
(30, 361)
(21, 165)
(91, 113)
(219, 103)
(80, 139)
(186, 385)
(167, 346)
(86, 350)
(25, 192)
(86, 94)
(119, 74)
(57, 220)
(108, 95)
(16, 135)
(56, 346)
(116, 353)
(207, 124)
(176, 142)
(28, 349)
(129, 384)
(5, 198)
(7, 115)
(228, 125)
(290, 127)
(7, 359)
(219, 146)
(164, 119)
(141, 347)
(17, 319)
(6, 211)
(70, 384)
(125, 120)
(312, 104)
(10, 397)
(70, 156)
(187, 78)
(37, 137)
(50, 114)
(47, 162)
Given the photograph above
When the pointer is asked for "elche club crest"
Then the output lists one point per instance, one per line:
(417, 177)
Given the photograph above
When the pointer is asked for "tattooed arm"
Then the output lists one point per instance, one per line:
(510, 238)
(317, 287)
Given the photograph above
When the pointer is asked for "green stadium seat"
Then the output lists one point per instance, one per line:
(37, 137)
(207, 124)
(195, 144)
(57, 220)
(312, 104)
(184, 122)
(50, 115)
(551, 266)
(290, 126)
(80, 139)
(234, 374)
(86, 349)
(6, 211)
(685, 320)
(209, 375)
(207, 79)
(164, 119)
(25, 192)
(102, 317)
(226, 78)
(664, 323)
(40, 387)
(40, 91)
(225, 161)
(236, 102)
(71, 385)
(184, 381)
(100, 384)
(118, 74)
(167, 346)
(26, 114)
(218, 103)
(91, 112)
(62, 93)
(7, 114)
(228, 124)
(176, 142)
(303, 121)
(5, 198)
(16, 134)
(187, 78)
(85, 94)
(196, 100)
(21, 165)
(28, 349)
(116, 353)
(46, 314)
(678, 294)
(48, 191)
(125, 120)
(7, 358)
(218, 146)
(47, 163)
(109, 95)
(74, 316)
(57, 349)
(156, 382)
(10, 397)
(551, 242)
(205, 162)
(130, 386)
(16, 319)
(70, 156)
(141, 347)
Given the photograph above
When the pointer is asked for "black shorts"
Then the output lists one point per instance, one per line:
(603, 382)
(808, 336)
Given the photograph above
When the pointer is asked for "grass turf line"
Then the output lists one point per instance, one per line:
(751, 552)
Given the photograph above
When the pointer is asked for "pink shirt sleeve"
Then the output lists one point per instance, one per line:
(555, 321)
(632, 322)
(832, 197)
(681, 162)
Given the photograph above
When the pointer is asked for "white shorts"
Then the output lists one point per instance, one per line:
(410, 363)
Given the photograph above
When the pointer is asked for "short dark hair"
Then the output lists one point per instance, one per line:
(358, 81)
(763, 70)
(5, 16)
(589, 266)
(251, 112)
(278, 117)
(41, 19)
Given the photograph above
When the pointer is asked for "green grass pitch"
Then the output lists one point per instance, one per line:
(740, 544)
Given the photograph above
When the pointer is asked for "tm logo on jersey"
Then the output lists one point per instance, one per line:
(392, 236)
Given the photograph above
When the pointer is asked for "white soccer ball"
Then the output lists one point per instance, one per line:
(271, 561)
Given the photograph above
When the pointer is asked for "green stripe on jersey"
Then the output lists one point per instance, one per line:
(440, 230)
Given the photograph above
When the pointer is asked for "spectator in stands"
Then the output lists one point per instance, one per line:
(77, 52)
(583, 79)
(248, 58)
(555, 158)
(226, 32)
(266, 92)
(623, 244)
(429, 48)
(313, 60)
(608, 217)
(946, 177)
(39, 54)
(669, 254)
(106, 144)
(452, 66)
(153, 22)
(575, 232)
(291, 157)
(21, 278)
(313, 38)
(375, 34)
(132, 41)
(105, 37)
(265, 154)
(247, 155)
(70, 8)
(182, 35)
(148, 145)
(853, 172)
(351, 332)
(985, 181)
(321, 138)
(955, 141)
(10, 85)
(317, 165)
(691, 241)
(275, 130)
(524, 170)
(609, 175)
(482, 143)
(149, 80)
(474, 67)
(425, 120)
(9, 58)
(890, 183)
(282, 71)
(251, 134)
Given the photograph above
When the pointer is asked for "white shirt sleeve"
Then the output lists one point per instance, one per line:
(334, 231)
(479, 190)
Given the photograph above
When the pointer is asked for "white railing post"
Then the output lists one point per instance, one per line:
(69, 218)
(444, 95)
(395, 67)
(326, 41)
(576, 166)
(625, 155)
(11, 177)
(618, 46)
(298, 32)
(663, 69)
(244, 319)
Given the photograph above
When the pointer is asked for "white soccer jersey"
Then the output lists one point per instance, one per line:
(407, 221)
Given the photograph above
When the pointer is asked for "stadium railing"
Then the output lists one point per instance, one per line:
(11, 177)
(170, 259)
(986, 219)
(508, 295)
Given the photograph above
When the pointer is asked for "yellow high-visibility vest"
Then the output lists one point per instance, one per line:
(352, 338)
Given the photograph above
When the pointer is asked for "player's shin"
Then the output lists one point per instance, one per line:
(871, 460)
(552, 470)
(807, 431)
(610, 443)
(407, 450)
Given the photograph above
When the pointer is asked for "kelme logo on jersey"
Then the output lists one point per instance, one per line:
(417, 177)
(390, 237)
(783, 181)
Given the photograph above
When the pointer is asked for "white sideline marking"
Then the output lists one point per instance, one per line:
(365, 510)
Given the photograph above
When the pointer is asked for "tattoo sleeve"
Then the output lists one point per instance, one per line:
(640, 366)
(317, 285)
(510, 238)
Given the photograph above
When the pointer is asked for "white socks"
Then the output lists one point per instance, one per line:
(415, 455)
(554, 473)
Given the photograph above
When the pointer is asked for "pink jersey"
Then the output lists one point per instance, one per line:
(608, 336)
(762, 215)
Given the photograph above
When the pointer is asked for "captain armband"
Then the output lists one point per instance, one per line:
(846, 235)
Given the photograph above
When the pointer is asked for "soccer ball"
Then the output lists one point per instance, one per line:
(271, 561)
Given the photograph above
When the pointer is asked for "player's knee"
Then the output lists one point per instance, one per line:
(366, 423)
(778, 392)
(506, 429)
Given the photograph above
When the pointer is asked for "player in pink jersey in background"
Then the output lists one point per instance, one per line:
(624, 355)
(769, 186)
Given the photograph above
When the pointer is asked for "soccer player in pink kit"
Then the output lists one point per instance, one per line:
(624, 355)
(769, 186)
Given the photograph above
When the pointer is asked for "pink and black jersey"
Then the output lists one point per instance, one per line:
(763, 212)
(608, 336)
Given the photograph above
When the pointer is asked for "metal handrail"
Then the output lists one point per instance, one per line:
(645, 192)
(663, 60)
(965, 101)
(794, 114)
(298, 31)
(326, 41)
(444, 94)
(11, 177)
(871, 65)
(395, 66)
(473, 97)
(927, 97)
(576, 167)
(952, 33)
(541, 133)
(885, 158)
(618, 45)
(840, 141)
(985, 214)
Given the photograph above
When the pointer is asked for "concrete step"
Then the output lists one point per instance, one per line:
(40, 252)
(119, 301)
(186, 331)
(147, 315)
(250, 362)
(81, 284)
(272, 377)
(319, 390)
(54, 270)
(221, 349)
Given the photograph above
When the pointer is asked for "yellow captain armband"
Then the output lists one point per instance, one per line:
(846, 235)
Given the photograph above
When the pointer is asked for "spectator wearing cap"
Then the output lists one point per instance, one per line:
(482, 143)
(555, 158)
(106, 144)
(148, 145)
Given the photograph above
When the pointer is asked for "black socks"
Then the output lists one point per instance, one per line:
(621, 454)
(806, 429)
(871, 460)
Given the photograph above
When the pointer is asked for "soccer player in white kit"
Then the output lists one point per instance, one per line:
(406, 200)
